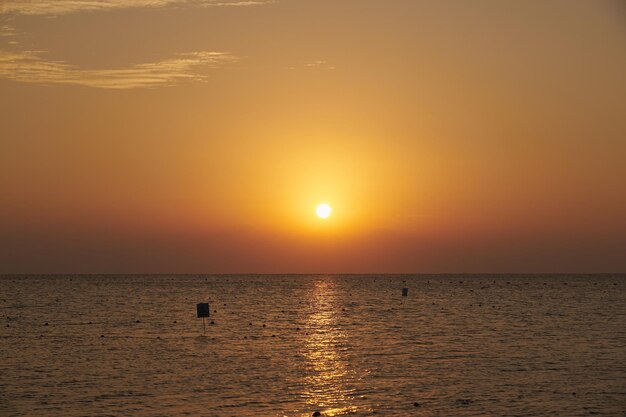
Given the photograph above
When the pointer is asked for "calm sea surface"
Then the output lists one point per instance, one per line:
(459, 345)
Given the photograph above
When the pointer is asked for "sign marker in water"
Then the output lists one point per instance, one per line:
(405, 292)
(203, 312)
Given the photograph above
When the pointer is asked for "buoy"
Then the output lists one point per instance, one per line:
(405, 292)
(416, 404)
(317, 414)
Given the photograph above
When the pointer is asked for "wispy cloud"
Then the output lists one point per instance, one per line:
(8, 34)
(31, 67)
(319, 64)
(60, 7)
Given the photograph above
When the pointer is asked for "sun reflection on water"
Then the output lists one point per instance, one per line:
(328, 380)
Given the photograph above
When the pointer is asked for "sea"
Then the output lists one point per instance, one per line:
(299, 345)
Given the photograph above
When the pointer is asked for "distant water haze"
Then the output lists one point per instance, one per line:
(290, 345)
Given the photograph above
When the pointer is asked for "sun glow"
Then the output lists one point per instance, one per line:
(323, 211)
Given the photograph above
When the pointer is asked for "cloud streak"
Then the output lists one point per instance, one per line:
(61, 7)
(31, 67)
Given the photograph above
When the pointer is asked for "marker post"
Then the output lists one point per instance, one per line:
(203, 311)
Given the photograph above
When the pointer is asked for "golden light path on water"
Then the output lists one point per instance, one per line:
(329, 377)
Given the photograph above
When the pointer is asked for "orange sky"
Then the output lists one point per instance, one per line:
(198, 136)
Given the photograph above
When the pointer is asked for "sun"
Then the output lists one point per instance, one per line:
(323, 211)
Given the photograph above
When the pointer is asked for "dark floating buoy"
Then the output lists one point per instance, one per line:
(8, 325)
(215, 311)
(158, 337)
(317, 414)
(175, 321)
(101, 335)
(573, 393)
(273, 335)
(297, 328)
(250, 324)
(40, 335)
(212, 322)
(136, 321)
(46, 324)
(416, 404)
(264, 325)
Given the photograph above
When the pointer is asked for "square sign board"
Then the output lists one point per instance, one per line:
(203, 309)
